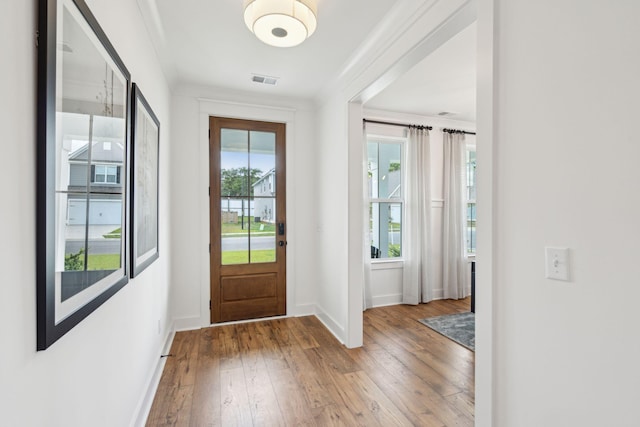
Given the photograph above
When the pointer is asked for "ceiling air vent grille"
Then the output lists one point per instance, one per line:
(264, 79)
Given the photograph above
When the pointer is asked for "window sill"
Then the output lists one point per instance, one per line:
(387, 264)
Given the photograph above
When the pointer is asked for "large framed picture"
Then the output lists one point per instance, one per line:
(82, 164)
(144, 183)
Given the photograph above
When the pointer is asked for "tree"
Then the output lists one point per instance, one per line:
(74, 262)
(236, 182)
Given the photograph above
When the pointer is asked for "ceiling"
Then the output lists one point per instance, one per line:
(206, 43)
(444, 82)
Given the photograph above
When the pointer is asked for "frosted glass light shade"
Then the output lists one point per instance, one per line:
(281, 23)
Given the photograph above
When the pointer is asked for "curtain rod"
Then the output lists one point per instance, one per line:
(397, 124)
(458, 131)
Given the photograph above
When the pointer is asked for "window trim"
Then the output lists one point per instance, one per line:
(402, 142)
(470, 146)
(106, 175)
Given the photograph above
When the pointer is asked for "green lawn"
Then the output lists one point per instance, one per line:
(228, 228)
(242, 257)
(103, 262)
(115, 234)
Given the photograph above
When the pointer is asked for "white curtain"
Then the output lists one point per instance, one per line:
(417, 283)
(454, 262)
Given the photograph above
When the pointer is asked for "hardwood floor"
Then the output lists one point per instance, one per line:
(294, 372)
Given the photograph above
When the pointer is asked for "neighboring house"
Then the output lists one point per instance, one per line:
(264, 192)
(105, 180)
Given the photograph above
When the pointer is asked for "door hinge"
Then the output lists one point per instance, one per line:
(209, 247)
(209, 191)
(209, 304)
(209, 133)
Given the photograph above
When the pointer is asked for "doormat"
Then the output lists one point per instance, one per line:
(459, 327)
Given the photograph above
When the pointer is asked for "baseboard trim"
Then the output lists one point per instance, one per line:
(385, 300)
(304, 310)
(331, 324)
(186, 324)
(439, 293)
(195, 322)
(144, 407)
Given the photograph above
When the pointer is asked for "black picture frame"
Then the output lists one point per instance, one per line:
(145, 157)
(82, 174)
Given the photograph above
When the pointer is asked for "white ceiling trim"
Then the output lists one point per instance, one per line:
(399, 19)
(464, 16)
(153, 23)
(408, 44)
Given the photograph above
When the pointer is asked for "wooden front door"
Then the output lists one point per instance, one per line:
(248, 219)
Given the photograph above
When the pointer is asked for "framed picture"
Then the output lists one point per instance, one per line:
(82, 164)
(144, 183)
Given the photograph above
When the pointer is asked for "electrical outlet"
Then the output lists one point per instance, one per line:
(557, 263)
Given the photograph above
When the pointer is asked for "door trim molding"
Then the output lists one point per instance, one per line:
(261, 304)
(244, 111)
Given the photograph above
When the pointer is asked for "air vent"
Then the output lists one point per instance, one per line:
(264, 79)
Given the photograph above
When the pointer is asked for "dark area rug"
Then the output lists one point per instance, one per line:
(459, 327)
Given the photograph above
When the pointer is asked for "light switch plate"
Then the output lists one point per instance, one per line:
(557, 263)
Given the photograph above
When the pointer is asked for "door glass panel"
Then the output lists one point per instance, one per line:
(234, 188)
(234, 163)
(262, 158)
(263, 230)
(247, 169)
(235, 223)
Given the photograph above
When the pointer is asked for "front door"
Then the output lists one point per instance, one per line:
(248, 221)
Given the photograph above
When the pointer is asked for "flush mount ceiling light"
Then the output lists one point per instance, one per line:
(281, 23)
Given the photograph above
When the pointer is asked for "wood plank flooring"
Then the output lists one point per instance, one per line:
(293, 372)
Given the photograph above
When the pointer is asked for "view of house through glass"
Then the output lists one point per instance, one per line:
(89, 200)
(384, 171)
(247, 196)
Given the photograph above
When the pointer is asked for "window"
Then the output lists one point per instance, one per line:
(385, 169)
(106, 174)
(471, 200)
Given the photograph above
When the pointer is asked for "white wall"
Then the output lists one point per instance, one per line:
(412, 30)
(191, 107)
(565, 158)
(99, 372)
(333, 213)
(386, 277)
